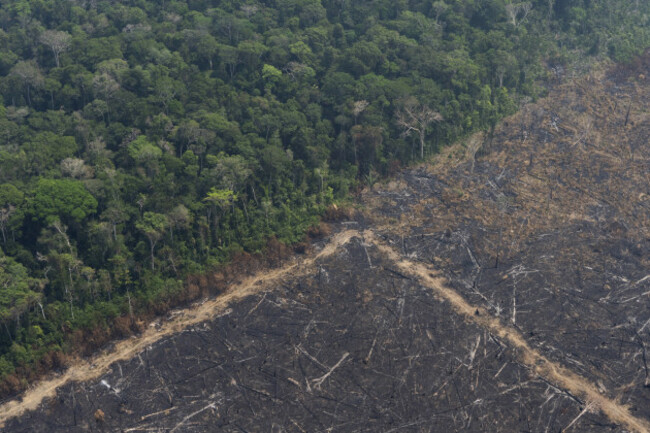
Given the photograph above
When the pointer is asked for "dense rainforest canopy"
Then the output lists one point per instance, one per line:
(142, 141)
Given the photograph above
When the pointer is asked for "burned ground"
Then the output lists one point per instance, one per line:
(356, 346)
(542, 226)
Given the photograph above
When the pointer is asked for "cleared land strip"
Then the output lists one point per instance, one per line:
(542, 366)
(85, 370)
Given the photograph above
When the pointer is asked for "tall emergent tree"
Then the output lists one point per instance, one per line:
(58, 42)
(153, 226)
(414, 117)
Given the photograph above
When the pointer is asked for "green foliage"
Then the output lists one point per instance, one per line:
(16, 289)
(220, 197)
(271, 73)
(66, 199)
(175, 134)
(10, 196)
(152, 224)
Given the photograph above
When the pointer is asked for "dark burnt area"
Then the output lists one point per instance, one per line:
(411, 365)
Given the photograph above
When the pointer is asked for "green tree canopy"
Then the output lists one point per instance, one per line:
(66, 199)
(142, 150)
(153, 226)
(17, 292)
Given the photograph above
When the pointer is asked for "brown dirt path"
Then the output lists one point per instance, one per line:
(88, 369)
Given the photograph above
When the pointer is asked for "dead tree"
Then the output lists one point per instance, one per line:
(414, 117)
(57, 41)
(474, 144)
(515, 10)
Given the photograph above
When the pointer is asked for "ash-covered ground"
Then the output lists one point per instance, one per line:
(543, 225)
(356, 346)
